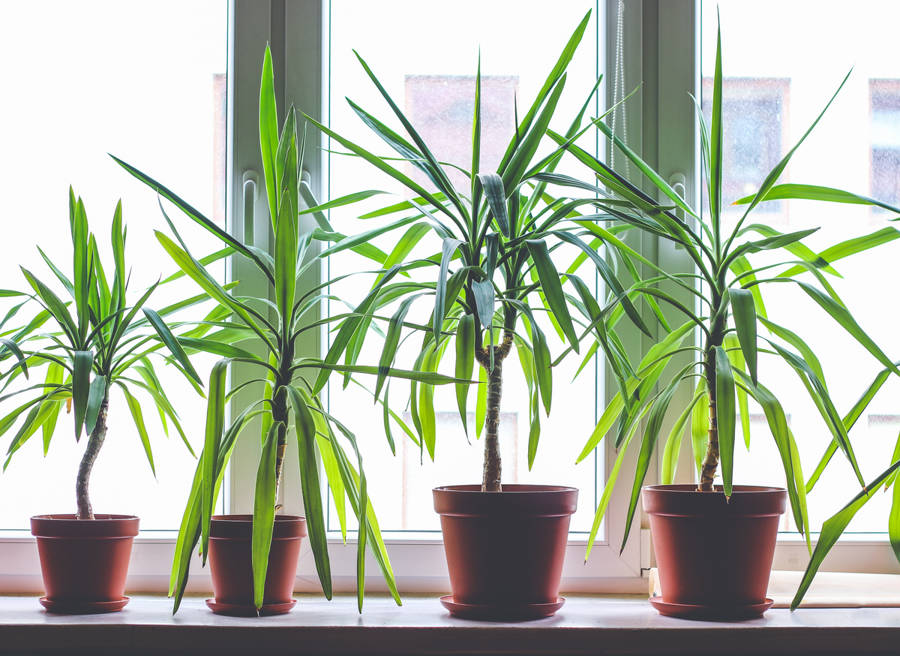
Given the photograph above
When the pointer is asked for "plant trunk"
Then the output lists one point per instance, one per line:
(716, 337)
(490, 481)
(280, 414)
(82, 483)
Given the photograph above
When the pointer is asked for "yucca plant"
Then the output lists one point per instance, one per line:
(286, 402)
(493, 269)
(728, 309)
(91, 343)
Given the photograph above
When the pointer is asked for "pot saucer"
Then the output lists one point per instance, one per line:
(82, 607)
(715, 612)
(501, 613)
(245, 610)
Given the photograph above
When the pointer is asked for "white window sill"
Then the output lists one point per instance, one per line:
(614, 625)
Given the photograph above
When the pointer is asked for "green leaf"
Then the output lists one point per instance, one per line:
(16, 351)
(725, 416)
(268, 130)
(55, 376)
(832, 529)
(744, 313)
(54, 305)
(850, 247)
(312, 492)
(481, 402)
(792, 191)
(264, 512)
(483, 290)
(648, 445)
(195, 215)
(349, 199)
(215, 421)
(776, 172)
(700, 430)
(716, 145)
(542, 365)
(138, 416)
(672, 449)
(285, 259)
(82, 361)
(198, 274)
(496, 198)
(159, 325)
(465, 362)
(842, 315)
(216, 347)
(96, 394)
(778, 427)
(382, 165)
(440, 298)
(552, 288)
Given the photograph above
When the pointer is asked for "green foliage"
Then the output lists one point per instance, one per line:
(91, 339)
(286, 402)
(731, 316)
(499, 241)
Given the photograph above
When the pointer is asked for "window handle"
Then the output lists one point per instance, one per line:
(678, 182)
(249, 183)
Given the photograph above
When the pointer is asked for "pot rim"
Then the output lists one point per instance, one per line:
(690, 488)
(98, 517)
(67, 526)
(249, 518)
(240, 527)
(511, 488)
(515, 500)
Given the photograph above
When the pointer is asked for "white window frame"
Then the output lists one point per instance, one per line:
(661, 40)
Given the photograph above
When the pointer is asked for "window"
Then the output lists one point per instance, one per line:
(115, 88)
(885, 116)
(810, 61)
(755, 113)
(174, 86)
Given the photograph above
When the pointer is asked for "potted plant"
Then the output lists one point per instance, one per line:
(253, 558)
(714, 544)
(494, 275)
(99, 343)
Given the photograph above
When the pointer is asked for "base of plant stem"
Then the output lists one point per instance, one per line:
(710, 612)
(249, 610)
(501, 612)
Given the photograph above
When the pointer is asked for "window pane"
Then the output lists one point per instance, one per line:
(427, 61)
(771, 96)
(147, 83)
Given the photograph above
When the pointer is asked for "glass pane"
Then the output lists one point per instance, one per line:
(147, 83)
(427, 62)
(771, 96)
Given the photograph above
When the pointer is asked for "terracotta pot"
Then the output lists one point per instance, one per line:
(84, 562)
(232, 571)
(505, 550)
(714, 556)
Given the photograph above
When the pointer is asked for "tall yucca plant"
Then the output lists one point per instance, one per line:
(494, 266)
(98, 342)
(287, 402)
(729, 312)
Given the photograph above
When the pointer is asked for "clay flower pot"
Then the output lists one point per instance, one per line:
(84, 562)
(714, 556)
(505, 550)
(231, 568)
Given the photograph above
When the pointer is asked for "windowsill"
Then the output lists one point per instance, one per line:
(619, 625)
